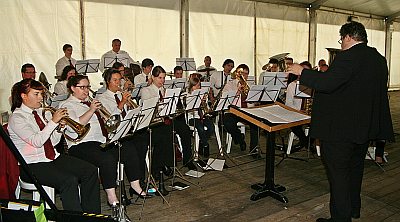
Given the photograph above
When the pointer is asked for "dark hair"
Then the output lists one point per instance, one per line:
(227, 61)
(116, 40)
(289, 58)
(147, 62)
(178, 68)
(354, 30)
(116, 65)
(136, 70)
(108, 75)
(157, 70)
(65, 72)
(306, 63)
(66, 46)
(243, 66)
(192, 82)
(74, 81)
(25, 66)
(20, 87)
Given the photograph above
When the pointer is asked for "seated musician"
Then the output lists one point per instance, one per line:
(125, 82)
(219, 79)
(197, 118)
(231, 120)
(85, 112)
(296, 103)
(133, 152)
(60, 88)
(206, 69)
(145, 76)
(34, 138)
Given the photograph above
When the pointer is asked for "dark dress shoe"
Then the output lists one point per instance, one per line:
(167, 171)
(324, 220)
(191, 166)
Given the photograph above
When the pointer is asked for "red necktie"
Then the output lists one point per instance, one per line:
(123, 113)
(101, 121)
(48, 147)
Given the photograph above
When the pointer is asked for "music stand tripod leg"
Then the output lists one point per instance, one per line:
(124, 201)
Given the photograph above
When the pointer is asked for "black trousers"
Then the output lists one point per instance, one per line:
(344, 163)
(65, 174)
(163, 153)
(298, 131)
(204, 134)
(183, 130)
(230, 124)
(102, 158)
(380, 148)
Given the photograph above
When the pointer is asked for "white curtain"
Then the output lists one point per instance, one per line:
(221, 29)
(395, 64)
(281, 29)
(34, 32)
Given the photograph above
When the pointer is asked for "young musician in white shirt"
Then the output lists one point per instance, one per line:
(66, 60)
(34, 138)
(60, 88)
(145, 76)
(133, 152)
(89, 149)
(218, 79)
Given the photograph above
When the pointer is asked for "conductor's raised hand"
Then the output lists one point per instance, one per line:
(295, 69)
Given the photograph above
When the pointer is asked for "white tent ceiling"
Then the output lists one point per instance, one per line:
(378, 8)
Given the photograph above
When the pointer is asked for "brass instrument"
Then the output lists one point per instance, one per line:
(307, 105)
(237, 74)
(217, 98)
(111, 122)
(79, 129)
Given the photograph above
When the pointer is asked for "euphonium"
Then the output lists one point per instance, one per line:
(111, 122)
(79, 129)
(237, 74)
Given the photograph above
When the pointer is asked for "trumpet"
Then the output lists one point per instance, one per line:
(79, 129)
(111, 122)
(130, 102)
(237, 74)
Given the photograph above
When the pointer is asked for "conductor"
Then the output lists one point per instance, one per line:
(350, 108)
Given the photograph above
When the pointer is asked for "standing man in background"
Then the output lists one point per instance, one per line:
(116, 49)
(350, 109)
(66, 60)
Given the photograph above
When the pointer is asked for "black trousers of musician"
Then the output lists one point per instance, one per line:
(183, 130)
(65, 174)
(298, 131)
(230, 124)
(380, 148)
(163, 153)
(104, 159)
(344, 163)
(133, 156)
(205, 128)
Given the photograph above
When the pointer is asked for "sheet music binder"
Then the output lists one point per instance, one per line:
(188, 64)
(146, 113)
(263, 93)
(302, 91)
(168, 106)
(87, 66)
(122, 58)
(175, 83)
(193, 101)
(274, 79)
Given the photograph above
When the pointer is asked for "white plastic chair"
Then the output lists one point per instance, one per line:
(229, 136)
(291, 138)
(35, 193)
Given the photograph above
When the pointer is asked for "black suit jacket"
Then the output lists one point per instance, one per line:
(351, 102)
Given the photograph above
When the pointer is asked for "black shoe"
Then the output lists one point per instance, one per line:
(324, 220)
(206, 151)
(142, 195)
(355, 215)
(167, 171)
(191, 166)
(243, 146)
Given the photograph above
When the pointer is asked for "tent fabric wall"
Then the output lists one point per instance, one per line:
(34, 31)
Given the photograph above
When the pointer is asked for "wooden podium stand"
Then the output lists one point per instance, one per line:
(268, 188)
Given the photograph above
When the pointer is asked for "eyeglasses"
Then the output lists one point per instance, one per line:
(83, 87)
(340, 41)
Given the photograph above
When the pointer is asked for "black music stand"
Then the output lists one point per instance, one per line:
(168, 109)
(273, 120)
(121, 58)
(87, 66)
(274, 79)
(175, 83)
(137, 90)
(117, 139)
(188, 64)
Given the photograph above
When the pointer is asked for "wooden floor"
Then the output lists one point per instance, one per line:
(226, 195)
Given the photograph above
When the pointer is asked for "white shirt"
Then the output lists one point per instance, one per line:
(112, 54)
(141, 78)
(27, 136)
(62, 62)
(107, 99)
(77, 109)
(217, 80)
(152, 91)
(60, 88)
(291, 99)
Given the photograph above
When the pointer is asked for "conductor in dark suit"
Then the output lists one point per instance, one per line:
(350, 108)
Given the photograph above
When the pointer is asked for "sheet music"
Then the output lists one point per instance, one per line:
(87, 66)
(226, 99)
(175, 83)
(194, 101)
(302, 91)
(188, 64)
(146, 113)
(125, 125)
(171, 98)
(137, 89)
(122, 58)
(273, 79)
(276, 114)
(263, 93)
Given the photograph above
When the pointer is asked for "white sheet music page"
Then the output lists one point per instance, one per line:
(276, 114)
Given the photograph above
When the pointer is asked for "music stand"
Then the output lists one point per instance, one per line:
(137, 90)
(274, 79)
(87, 66)
(303, 91)
(188, 64)
(122, 58)
(175, 83)
(263, 93)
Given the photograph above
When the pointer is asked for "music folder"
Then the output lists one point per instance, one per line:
(226, 99)
(302, 91)
(188, 64)
(146, 113)
(125, 125)
(122, 58)
(273, 79)
(193, 101)
(263, 93)
(168, 106)
(175, 83)
(87, 66)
